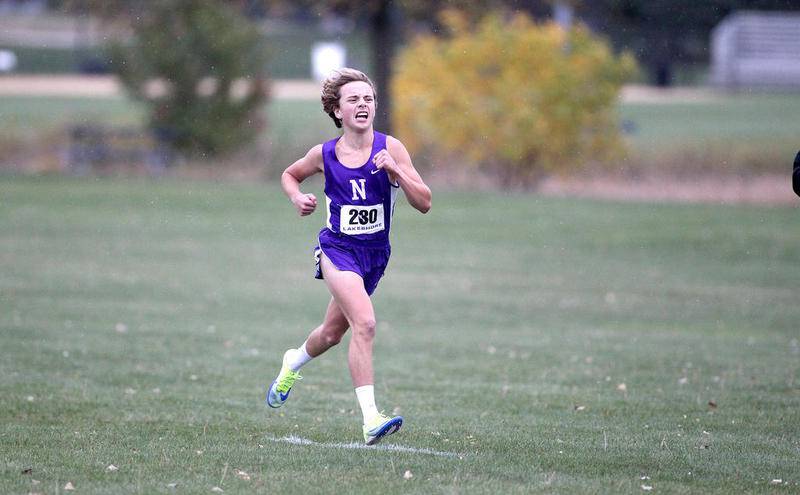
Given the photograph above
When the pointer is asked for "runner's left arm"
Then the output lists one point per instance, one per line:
(397, 162)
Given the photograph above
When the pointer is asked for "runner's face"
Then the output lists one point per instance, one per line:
(356, 105)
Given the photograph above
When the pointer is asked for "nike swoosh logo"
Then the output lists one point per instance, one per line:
(284, 396)
(373, 172)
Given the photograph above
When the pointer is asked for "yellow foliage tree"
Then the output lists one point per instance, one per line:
(520, 99)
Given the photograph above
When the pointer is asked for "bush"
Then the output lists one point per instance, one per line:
(198, 65)
(520, 99)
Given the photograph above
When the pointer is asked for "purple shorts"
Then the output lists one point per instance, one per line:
(369, 262)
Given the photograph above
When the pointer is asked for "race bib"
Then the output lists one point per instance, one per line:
(361, 219)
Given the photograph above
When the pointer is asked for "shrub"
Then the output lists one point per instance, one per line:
(198, 64)
(520, 99)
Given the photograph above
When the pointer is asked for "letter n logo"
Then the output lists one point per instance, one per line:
(359, 190)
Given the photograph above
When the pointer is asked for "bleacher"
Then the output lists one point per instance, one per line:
(756, 50)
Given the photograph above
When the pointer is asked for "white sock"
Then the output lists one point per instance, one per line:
(366, 399)
(299, 358)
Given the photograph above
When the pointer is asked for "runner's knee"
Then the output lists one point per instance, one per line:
(364, 328)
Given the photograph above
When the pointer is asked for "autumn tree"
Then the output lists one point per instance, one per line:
(519, 99)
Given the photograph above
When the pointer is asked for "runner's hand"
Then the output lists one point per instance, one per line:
(305, 204)
(383, 160)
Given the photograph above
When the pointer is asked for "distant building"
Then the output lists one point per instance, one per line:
(756, 50)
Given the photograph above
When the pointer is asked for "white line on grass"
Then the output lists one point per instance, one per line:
(353, 445)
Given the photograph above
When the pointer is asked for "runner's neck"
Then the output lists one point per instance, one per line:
(357, 141)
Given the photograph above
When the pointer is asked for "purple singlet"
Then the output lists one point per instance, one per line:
(360, 201)
(359, 206)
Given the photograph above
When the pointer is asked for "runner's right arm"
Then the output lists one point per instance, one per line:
(296, 173)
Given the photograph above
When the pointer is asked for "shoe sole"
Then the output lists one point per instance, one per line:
(266, 400)
(388, 429)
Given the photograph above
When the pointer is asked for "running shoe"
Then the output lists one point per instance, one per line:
(381, 426)
(280, 388)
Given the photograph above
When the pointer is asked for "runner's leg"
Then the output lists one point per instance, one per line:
(329, 333)
(348, 291)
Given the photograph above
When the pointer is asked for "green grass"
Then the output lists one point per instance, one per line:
(758, 116)
(293, 126)
(737, 117)
(498, 316)
(734, 133)
(31, 115)
(26, 115)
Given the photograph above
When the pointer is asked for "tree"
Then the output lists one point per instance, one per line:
(386, 25)
(519, 99)
(386, 21)
(198, 65)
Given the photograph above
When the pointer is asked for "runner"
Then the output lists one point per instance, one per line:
(363, 170)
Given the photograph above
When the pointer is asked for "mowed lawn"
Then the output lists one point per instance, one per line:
(532, 344)
(750, 132)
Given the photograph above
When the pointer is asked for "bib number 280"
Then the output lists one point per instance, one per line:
(361, 219)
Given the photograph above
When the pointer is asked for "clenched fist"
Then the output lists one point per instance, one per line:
(383, 160)
(305, 204)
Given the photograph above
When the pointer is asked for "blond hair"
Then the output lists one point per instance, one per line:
(332, 85)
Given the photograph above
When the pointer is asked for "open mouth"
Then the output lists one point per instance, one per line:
(362, 116)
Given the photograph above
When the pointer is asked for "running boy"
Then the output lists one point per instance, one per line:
(363, 170)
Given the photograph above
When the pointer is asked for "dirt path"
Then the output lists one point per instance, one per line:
(109, 86)
(760, 190)
(763, 190)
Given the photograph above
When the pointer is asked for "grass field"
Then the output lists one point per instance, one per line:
(294, 126)
(533, 345)
(738, 132)
(734, 133)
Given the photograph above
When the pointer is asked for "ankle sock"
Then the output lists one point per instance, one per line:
(298, 358)
(366, 399)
